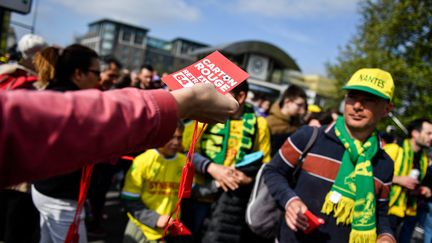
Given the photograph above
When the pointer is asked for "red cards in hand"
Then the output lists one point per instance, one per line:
(214, 68)
(313, 221)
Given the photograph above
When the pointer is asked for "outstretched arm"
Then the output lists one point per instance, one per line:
(43, 134)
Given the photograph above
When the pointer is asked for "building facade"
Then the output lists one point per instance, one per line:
(123, 41)
(132, 46)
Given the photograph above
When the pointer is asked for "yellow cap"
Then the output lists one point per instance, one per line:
(372, 80)
(313, 108)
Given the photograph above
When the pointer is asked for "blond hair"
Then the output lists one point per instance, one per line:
(44, 62)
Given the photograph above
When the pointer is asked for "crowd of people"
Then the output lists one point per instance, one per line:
(65, 109)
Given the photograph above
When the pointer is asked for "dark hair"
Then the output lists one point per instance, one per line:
(387, 137)
(244, 86)
(114, 60)
(74, 57)
(124, 81)
(292, 92)
(148, 67)
(324, 117)
(417, 125)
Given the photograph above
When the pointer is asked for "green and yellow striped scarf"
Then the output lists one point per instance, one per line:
(400, 204)
(352, 196)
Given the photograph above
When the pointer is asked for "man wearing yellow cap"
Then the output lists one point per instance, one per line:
(346, 177)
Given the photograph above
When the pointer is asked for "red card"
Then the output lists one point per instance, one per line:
(214, 68)
(314, 221)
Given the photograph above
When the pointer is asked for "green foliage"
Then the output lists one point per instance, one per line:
(395, 35)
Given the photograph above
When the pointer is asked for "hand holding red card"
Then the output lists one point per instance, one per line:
(215, 69)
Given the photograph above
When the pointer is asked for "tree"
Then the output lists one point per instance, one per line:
(395, 35)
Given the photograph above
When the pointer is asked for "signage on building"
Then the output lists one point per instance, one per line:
(258, 66)
(214, 68)
(20, 6)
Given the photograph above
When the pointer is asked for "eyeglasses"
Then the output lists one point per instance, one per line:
(300, 105)
(95, 72)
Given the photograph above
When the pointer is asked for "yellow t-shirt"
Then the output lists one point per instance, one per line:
(156, 179)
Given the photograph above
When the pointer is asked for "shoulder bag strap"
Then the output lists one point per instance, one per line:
(301, 158)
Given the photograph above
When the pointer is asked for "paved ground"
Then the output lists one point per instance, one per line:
(115, 222)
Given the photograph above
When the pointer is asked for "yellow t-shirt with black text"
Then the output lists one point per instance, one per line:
(156, 179)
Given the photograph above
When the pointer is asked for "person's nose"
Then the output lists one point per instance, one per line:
(358, 104)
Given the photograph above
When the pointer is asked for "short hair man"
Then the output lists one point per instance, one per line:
(346, 176)
(410, 168)
(145, 77)
(110, 74)
(285, 116)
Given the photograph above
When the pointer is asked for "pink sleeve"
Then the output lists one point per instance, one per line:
(48, 133)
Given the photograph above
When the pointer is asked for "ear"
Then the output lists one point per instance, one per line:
(286, 102)
(241, 97)
(414, 133)
(78, 77)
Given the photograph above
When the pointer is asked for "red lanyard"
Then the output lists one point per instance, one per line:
(72, 235)
(185, 187)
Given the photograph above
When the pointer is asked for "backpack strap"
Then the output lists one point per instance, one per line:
(301, 158)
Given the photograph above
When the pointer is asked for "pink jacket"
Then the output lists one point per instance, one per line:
(48, 133)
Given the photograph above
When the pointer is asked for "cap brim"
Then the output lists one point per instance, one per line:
(368, 90)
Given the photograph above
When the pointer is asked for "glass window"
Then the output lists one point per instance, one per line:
(137, 55)
(125, 51)
(108, 36)
(126, 35)
(139, 38)
(107, 45)
(109, 27)
(276, 76)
